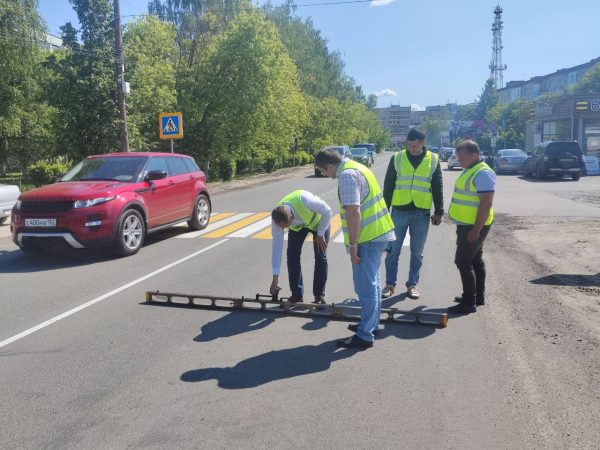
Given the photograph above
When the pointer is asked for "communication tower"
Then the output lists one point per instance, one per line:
(496, 66)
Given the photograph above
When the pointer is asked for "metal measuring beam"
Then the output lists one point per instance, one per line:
(273, 304)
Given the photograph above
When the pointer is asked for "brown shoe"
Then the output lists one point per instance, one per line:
(413, 293)
(388, 291)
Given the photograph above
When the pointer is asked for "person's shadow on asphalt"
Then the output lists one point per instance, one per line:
(272, 366)
(233, 324)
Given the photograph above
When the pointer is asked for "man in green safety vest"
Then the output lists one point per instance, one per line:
(367, 228)
(413, 183)
(472, 212)
(303, 213)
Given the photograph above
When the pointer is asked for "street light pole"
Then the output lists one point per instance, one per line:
(119, 70)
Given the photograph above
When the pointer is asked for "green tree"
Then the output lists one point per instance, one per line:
(433, 127)
(321, 72)
(510, 118)
(372, 102)
(243, 99)
(24, 116)
(589, 83)
(487, 100)
(82, 87)
(467, 112)
(150, 58)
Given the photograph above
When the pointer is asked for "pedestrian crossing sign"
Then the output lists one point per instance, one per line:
(170, 125)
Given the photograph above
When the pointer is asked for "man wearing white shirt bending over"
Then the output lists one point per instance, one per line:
(303, 213)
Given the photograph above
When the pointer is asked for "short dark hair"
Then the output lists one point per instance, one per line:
(469, 146)
(415, 135)
(281, 214)
(325, 157)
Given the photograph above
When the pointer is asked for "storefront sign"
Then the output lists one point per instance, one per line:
(592, 105)
(543, 110)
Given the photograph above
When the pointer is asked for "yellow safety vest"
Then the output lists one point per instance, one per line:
(310, 219)
(465, 200)
(414, 185)
(375, 220)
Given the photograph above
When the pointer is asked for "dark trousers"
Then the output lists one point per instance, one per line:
(294, 250)
(469, 260)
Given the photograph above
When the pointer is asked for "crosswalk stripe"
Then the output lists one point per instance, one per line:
(237, 225)
(251, 229)
(215, 226)
(216, 217)
(334, 226)
(264, 234)
(258, 226)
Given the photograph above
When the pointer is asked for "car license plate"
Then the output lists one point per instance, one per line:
(40, 223)
(567, 160)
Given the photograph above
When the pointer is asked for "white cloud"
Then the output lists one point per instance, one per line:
(385, 93)
(376, 3)
(415, 107)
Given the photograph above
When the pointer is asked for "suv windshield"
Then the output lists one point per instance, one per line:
(107, 168)
(368, 147)
(358, 151)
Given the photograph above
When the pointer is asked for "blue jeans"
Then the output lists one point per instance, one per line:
(294, 250)
(417, 222)
(367, 285)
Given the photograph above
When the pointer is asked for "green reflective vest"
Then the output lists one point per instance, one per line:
(414, 185)
(310, 219)
(375, 220)
(465, 200)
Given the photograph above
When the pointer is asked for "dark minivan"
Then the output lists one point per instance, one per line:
(555, 158)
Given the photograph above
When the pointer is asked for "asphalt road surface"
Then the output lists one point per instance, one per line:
(84, 363)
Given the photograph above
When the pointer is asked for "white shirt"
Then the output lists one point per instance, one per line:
(312, 203)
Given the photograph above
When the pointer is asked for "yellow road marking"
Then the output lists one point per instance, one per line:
(220, 216)
(334, 226)
(237, 225)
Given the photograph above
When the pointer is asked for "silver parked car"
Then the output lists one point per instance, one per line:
(453, 161)
(8, 197)
(509, 160)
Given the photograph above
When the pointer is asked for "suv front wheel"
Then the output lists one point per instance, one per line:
(130, 232)
(575, 176)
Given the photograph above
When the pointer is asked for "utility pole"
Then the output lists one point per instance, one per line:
(120, 73)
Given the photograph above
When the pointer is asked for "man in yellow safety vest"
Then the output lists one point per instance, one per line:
(472, 212)
(303, 213)
(367, 229)
(413, 183)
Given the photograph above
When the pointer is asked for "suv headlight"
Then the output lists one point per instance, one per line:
(93, 202)
(18, 205)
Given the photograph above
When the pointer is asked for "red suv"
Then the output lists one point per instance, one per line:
(115, 200)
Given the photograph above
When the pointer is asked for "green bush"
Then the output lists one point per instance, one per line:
(270, 164)
(227, 169)
(45, 172)
(303, 158)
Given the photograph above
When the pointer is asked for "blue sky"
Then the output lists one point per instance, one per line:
(429, 52)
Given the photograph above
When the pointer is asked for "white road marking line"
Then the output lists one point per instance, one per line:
(214, 226)
(251, 229)
(32, 330)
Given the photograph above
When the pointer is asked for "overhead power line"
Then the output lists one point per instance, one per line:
(299, 5)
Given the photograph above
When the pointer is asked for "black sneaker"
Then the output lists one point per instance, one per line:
(478, 302)
(462, 308)
(354, 342)
(354, 327)
(319, 300)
